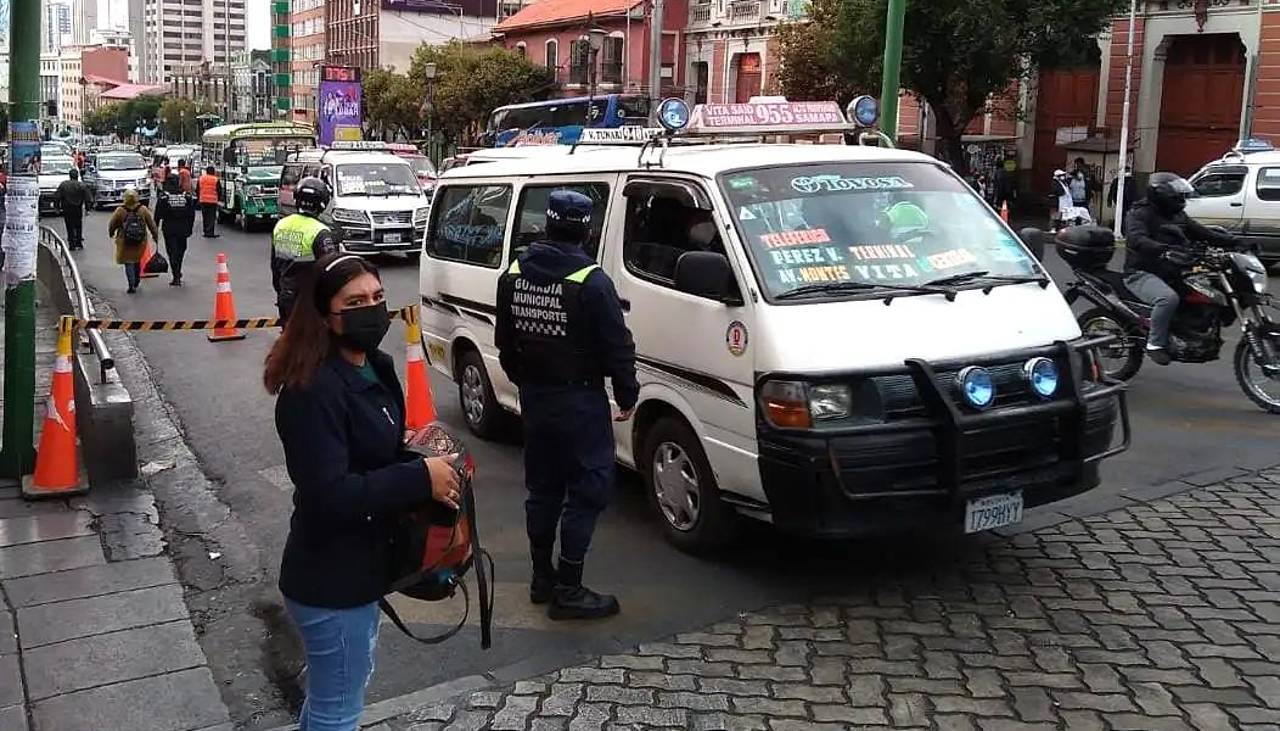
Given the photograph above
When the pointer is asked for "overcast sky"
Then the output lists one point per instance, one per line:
(259, 23)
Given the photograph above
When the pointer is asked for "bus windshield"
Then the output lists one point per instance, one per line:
(268, 151)
(560, 121)
(855, 226)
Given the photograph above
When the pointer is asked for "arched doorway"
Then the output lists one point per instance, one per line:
(747, 82)
(1200, 100)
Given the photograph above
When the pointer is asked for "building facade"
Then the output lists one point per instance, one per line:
(51, 84)
(185, 33)
(84, 18)
(385, 34)
(118, 38)
(72, 108)
(55, 26)
(555, 34)
(251, 87)
(202, 83)
(307, 51)
(732, 49)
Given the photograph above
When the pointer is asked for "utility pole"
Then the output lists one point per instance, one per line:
(226, 58)
(892, 68)
(1118, 225)
(22, 224)
(655, 56)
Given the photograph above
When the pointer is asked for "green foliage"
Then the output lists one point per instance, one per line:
(958, 55)
(392, 104)
(472, 81)
(178, 119)
(105, 119)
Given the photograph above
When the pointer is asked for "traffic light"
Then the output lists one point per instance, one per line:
(51, 107)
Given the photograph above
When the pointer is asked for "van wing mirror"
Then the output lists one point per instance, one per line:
(707, 274)
(686, 194)
(1033, 239)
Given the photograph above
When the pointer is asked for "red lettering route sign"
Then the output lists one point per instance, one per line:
(767, 116)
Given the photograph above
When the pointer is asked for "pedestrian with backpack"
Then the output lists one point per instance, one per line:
(134, 229)
(340, 415)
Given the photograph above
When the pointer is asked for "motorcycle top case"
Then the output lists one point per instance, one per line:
(1086, 247)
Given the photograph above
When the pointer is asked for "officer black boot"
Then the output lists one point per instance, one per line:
(542, 588)
(572, 600)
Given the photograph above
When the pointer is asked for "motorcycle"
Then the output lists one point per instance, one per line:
(1218, 287)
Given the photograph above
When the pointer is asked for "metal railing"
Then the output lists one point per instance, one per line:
(79, 299)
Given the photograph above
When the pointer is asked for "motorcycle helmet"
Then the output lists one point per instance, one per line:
(311, 196)
(1168, 192)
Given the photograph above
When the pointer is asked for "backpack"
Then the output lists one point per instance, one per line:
(134, 228)
(435, 547)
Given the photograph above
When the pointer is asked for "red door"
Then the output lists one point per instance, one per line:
(747, 84)
(1066, 98)
(1200, 103)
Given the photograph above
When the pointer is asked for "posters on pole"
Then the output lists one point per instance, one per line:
(24, 148)
(341, 105)
(21, 228)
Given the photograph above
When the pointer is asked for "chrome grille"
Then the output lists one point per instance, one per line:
(386, 218)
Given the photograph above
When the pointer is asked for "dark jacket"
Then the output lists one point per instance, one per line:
(287, 271)
(74, 196)
(342, 438)
(1146, 238)
(607, 338)
(176, 212)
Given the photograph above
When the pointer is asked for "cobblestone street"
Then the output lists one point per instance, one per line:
(1162, 616)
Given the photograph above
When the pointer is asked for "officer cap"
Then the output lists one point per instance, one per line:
(569, 206)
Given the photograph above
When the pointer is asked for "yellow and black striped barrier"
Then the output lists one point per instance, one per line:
(407, 313)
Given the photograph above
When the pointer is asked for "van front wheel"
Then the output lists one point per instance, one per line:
(682, 489)
(475, 394)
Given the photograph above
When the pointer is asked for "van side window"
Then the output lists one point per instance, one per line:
(1269, 184)
(531, 216)
(1220, 183)
(659, 229)
(469, 224)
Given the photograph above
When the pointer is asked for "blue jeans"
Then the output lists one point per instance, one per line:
(133, 274)
(1164, 304)
(339, 645)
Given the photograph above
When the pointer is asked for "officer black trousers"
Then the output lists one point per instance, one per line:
(569, 472)
(75, 228)
(176, 248)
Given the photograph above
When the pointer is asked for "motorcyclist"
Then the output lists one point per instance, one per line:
(298, 240)
(1156, 232)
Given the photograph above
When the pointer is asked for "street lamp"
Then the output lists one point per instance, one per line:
(595, 41)
(429, 73)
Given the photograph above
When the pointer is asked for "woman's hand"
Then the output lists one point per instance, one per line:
(444, 480)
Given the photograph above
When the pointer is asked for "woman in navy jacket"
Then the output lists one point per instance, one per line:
(340, 416)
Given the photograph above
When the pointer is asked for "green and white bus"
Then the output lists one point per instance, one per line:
(249, 158)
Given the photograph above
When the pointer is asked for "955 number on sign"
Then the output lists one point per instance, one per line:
(992, 511)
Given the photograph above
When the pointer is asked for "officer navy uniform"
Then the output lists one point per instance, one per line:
(297, 241)
(560, 333)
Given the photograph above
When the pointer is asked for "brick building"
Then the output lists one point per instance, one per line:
(553, 33)
(731, 47)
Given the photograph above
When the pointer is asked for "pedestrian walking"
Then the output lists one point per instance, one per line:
(184, 176)
(75, 200)
(176, 212)
(340, 416)
(134, 229)
(297, 241)
(208, 191)
(560, 371)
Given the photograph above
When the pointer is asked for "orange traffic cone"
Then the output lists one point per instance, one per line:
(146, 258)
(420, 409)
(1004, 212)
(224, 304)
(57, 466)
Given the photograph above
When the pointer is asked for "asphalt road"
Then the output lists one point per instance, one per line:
(1187, 419)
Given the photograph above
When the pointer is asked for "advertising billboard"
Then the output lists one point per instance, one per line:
(340, 104)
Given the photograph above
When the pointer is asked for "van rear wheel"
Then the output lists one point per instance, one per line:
(475, 394)
(682, 489)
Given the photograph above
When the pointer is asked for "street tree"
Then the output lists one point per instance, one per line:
(959, 56)
(472, 81)
(392, 104)
(178, 116)
(105, 119)
(140, 110)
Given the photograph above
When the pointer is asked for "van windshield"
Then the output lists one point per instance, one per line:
(393, 178)
(121, 162)
(866, 225)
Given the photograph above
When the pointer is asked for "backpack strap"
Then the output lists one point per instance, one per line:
(390, 611)
(484, 574)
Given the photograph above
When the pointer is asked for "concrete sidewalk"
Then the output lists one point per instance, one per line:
(1164, 615)
(94, 631)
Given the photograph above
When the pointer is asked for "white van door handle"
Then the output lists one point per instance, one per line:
(1237, 205)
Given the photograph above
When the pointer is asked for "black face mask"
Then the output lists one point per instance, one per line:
(363, 328)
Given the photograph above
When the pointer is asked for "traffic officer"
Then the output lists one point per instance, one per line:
(559, 334)
(298, 240)
(176, 213)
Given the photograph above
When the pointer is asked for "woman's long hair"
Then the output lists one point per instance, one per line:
(306, 341)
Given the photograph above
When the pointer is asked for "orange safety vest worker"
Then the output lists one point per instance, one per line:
(208, 188)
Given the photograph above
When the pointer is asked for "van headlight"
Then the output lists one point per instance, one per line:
(976, 387)
(348, 215)
(799, 405)
(829, 401)
(252, 190)
(420, 214)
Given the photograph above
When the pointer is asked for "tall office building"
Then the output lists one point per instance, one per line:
(84, 19)
(178, 33)
(55, 26)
